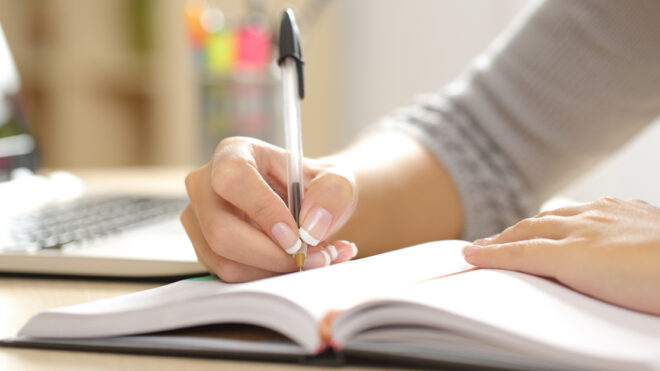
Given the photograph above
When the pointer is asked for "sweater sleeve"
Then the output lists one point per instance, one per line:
(568, 83)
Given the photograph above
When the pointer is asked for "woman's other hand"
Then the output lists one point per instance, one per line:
(609, 249)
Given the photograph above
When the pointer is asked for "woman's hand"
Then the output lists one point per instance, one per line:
(609, 249)
(238, 219)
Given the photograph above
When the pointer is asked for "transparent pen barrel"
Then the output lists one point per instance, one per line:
(293, 136)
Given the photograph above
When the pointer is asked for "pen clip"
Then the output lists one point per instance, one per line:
(289, 46)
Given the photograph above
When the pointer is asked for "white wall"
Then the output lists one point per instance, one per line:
(394, 49)
(631, 173)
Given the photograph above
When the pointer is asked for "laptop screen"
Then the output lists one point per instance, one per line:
(17, 148)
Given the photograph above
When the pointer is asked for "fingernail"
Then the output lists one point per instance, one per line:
(332, 251)
(345, 252)
(354, 249)
(318, 259)
(286, 238)
(315, 225)
(470, 250)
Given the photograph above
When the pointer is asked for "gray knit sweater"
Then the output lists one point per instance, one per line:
(568, 83)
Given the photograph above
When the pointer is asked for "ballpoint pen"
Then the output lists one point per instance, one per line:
(293, 90)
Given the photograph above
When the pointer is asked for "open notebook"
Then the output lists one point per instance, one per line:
(419, 304)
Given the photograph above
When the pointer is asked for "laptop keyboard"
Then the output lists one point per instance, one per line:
(87, 219)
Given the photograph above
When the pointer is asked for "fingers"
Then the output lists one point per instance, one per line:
(231, 237)
(552, 224)
(329, 201)
(537, 256)
(239, 223)
(562, 243)
(227, 233)
(549, 227)
(196, 237)
(231, 271)
(326, 253)
(227, 270)
(531, 245)
(237, 178)
(565, 211)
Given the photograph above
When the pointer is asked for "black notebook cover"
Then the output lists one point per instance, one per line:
(251, 343)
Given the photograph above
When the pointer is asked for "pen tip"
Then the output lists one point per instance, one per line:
(300, 261)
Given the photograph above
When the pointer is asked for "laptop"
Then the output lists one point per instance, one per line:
(50, 225)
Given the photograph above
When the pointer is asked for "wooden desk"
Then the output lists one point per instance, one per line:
(23, 297)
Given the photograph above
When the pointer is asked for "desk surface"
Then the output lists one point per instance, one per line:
(23, 297)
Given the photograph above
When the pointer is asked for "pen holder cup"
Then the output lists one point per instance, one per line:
(239, 104)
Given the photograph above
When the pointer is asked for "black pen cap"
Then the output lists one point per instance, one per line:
(290, 46)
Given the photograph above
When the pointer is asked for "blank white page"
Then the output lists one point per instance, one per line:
(544, 317)
(343, 285)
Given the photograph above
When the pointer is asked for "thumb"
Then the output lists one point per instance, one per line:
(329, 201)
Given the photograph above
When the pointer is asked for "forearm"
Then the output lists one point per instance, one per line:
(405, 195)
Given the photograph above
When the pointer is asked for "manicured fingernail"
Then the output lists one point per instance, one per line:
(332, 251)
(317, 259)
(286, 238)
(354, 249)
(315, 225)
(345, 251)
(470, 250)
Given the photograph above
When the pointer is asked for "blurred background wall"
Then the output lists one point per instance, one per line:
(114, 83)
(106, 83)
(129, 82)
